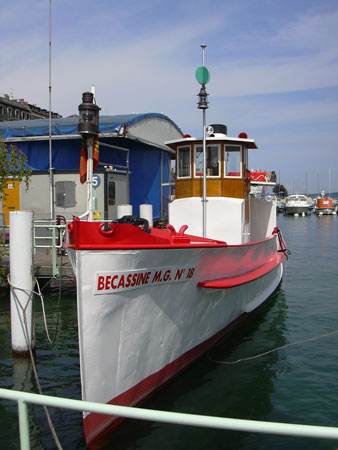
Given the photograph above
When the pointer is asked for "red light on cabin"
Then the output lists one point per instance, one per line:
(186, 136)
(243, 135)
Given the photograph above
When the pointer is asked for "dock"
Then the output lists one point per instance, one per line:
(43, 266)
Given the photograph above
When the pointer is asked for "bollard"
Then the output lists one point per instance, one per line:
(146, 212)
(124, 210)
(21, 279)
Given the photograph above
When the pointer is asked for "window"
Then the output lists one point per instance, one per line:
(212, 161)
(65, 194)
(232, 161)
(183, 162)
(111, 192)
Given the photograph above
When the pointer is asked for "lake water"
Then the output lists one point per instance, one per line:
(296, 384)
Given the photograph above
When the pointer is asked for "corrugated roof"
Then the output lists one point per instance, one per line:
(68, 125)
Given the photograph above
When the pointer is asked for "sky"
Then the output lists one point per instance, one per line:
(273, 70)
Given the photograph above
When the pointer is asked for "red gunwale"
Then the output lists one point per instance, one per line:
(230, 282)
(91, 236)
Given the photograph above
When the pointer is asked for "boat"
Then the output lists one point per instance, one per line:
(280, 206)
(296, 204)
(152, 300)
(324, 205)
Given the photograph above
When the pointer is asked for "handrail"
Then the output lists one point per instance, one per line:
(252, 426)
(57, 231)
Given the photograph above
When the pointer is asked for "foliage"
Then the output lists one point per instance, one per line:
(13, 164)
(280, 190)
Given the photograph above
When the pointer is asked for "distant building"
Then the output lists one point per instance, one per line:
(12, 109)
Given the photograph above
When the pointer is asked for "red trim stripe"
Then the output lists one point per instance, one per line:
(247, 277)
(98, 427)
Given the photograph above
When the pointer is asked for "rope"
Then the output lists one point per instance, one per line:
(282, 244)
(59, 302)
(39, 294)
(26, 334)
(272, 350)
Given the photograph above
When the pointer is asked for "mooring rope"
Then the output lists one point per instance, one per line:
(272, 350)
(26, 335)
(40, 295)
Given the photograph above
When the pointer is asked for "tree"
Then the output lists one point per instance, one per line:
(280, 190)
(13, 164)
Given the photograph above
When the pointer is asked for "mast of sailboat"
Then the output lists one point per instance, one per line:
(329, 181)
(203, 77)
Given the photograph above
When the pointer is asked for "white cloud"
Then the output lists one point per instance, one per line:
(142, 58)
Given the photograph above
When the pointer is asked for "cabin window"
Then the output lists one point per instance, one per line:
(183, 162)
(212, 161)
(232, 161)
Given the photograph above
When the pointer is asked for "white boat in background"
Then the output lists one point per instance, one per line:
(150, 300)
(297, 204)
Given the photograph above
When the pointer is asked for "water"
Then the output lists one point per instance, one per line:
(297, 384)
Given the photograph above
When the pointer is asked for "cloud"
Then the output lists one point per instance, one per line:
(274, 66)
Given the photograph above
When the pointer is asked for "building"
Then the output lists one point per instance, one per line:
(12, 109)
(134, 165)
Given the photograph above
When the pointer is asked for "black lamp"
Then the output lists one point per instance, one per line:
(203, 96)
(89, 115)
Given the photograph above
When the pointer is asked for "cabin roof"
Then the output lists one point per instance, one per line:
(249, 143)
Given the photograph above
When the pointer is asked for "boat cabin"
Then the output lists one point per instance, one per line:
(231, 214)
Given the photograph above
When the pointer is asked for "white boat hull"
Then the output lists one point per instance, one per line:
(142, 316)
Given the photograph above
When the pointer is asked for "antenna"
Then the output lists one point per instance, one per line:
(51, 170)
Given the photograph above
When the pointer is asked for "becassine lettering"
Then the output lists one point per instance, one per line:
(110, 282)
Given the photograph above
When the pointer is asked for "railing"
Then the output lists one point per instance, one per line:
(51, 238)
(251, 426)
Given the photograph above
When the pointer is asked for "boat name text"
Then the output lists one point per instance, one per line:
(133, 279)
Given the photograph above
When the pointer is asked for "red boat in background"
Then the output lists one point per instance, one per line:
(324, 205)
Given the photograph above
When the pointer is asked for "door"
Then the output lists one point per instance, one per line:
(116, 193)
(11, 198)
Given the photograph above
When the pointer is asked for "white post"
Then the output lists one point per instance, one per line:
(21, 279)
(146, 212)
(124, 210)
(90, 145)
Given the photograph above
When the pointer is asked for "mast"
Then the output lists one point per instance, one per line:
(330, 182)
(203, 77)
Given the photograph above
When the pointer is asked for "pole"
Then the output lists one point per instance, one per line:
(90, 145)
(51, 170)
(21, 279)
(204, 200)
(330, 182)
